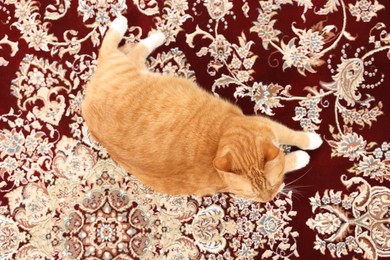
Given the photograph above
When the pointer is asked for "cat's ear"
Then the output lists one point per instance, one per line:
(270, 152)
(223, 163)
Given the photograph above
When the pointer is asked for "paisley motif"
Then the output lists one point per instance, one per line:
(347, 80)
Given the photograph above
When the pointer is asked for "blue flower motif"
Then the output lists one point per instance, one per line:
(269, 225)
(11, 142)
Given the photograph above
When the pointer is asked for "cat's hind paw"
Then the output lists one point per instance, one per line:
(158, 38)
(154, 40)
(315, 141)
(119, 25)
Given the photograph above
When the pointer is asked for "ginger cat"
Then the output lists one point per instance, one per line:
(176, 137)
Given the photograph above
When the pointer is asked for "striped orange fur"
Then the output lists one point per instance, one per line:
(175, 136)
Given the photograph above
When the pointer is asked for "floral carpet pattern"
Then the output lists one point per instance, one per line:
(317, 65)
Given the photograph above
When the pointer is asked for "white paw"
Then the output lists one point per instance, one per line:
(154, 40)
(120, 25)
(158, 38)
(302, 159)
(315, 141)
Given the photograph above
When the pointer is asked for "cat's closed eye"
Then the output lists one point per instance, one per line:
(275, 186)
(237, 171)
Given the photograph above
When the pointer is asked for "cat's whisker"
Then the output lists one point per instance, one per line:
(294, 194)
(282, 195)
(283, 192)
(294, 189)
(297, 179)
(297, 186)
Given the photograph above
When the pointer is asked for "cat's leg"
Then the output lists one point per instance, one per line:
(301, 139)
(139, 52)
(126, 48)
(153, 41)
(145, 46)
(113, 36)
(296, 160)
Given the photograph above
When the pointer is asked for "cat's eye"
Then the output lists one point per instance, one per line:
(236, 171)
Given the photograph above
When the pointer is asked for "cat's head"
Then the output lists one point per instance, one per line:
(251, 168)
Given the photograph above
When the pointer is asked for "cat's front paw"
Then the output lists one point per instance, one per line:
(302, 159)
(315, 141)
(296, 160)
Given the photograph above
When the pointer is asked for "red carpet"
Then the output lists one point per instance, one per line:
(315, 65)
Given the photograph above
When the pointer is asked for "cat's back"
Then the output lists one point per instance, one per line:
(137, 95)
(164, 104)
(141, 103)
(149, 122)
